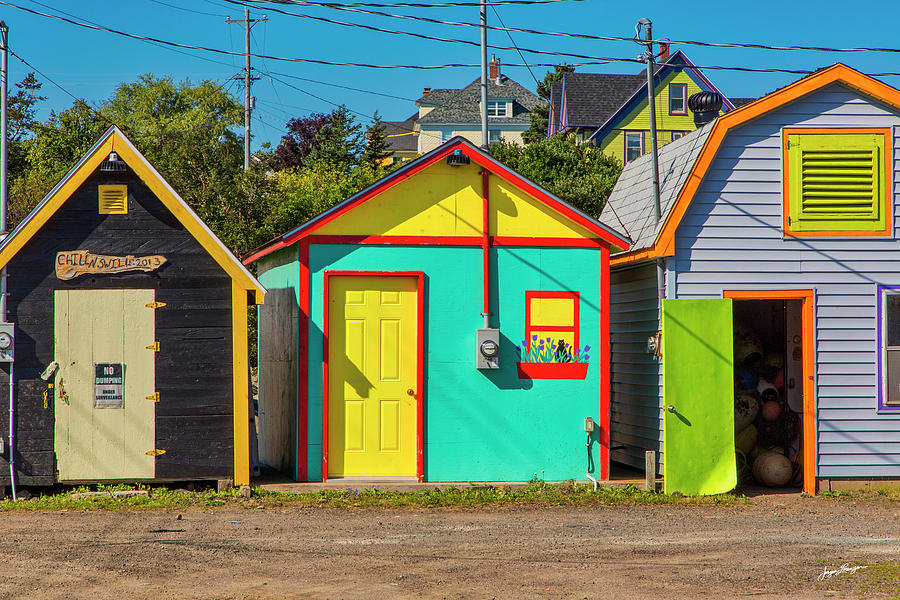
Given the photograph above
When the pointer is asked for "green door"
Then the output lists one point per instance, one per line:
(698, 397)
(105, 423)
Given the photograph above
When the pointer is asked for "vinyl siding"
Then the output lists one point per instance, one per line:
(636, 417)
(731, 238)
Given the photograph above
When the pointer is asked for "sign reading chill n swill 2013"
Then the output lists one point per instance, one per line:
(72, 263)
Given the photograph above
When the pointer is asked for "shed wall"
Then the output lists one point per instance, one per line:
(636, 418)
(731, 238)
(480, 425)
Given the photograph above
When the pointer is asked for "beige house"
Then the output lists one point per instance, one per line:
(445, 113)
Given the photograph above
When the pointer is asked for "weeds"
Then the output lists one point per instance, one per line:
(537, 493)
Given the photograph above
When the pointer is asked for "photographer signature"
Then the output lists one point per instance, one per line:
(844, 568)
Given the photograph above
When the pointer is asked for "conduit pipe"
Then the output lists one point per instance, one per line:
(486, 245)
(12, 420)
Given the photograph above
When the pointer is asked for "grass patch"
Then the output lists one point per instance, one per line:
(879, 579)
(537, 493)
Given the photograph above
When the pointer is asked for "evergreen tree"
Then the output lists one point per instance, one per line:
(540, 115)
(340, 142)
(376, 143)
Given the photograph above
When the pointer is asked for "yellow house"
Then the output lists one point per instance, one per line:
(611, 111)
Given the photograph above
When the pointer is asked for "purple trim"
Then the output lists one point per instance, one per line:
(882, 350)
(683, 95)
(625, 143)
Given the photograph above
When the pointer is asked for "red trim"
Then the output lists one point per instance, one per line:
(442, 152)
(604, 365)
(436, 240)
(302, 472)
(420, 370)
(486, 241)
(531, 294)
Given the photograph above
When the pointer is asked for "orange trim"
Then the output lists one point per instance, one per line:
(809, 370)
(888, 186)
(665, 241)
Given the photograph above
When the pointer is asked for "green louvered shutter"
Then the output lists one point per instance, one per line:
(836, 182)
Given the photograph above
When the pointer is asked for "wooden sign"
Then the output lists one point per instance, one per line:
(109, 385)
(73, 263)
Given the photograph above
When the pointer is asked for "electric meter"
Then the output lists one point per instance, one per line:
(7, 332)
(487, 354)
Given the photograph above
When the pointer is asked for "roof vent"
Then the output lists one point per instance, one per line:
(457, 158)
(112, 164)
(705, 106)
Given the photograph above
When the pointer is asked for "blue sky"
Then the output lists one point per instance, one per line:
(90, 64)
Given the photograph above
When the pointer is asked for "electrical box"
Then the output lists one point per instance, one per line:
(588, 424)
(487, 349)
(7, 331)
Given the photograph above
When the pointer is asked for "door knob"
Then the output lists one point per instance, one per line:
(410, 392)
(670, 408)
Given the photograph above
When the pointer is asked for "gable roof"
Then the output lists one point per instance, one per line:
(603, 231)
(692, 155)
(678, 61)
(463, 105)
(115, 141)
(401, 135)
(591, 98)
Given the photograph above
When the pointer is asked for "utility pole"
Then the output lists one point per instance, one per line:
(484, 77)
(247, 22)
(4, 151)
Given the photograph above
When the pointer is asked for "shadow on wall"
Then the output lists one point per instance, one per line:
(507, 376)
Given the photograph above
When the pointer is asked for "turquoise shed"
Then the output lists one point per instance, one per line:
(449, 323)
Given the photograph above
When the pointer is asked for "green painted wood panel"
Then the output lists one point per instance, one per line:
(698, 396)
(104, 326)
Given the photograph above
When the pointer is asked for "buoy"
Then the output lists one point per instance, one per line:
(770, 410)
(772, 469)
(746, 407)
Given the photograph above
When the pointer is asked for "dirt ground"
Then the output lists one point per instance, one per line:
(776, 547)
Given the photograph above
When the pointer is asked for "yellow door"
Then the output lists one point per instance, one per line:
(105, 425)
(372, 374)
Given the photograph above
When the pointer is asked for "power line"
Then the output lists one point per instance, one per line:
(420, 5)
(513, 42)
(190, 10)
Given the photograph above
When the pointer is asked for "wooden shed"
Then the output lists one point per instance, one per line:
(129, 358)
(436, 327)
(781, 270)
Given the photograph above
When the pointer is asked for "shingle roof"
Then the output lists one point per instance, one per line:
(591, 98)
(630, 205)
(401, 134)
(463, 105)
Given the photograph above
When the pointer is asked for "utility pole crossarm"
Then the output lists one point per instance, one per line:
(247, 22)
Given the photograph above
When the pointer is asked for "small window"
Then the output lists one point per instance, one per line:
(494, 136)
(497, 108)
(551, 320)
(113, 199)
(677, 135)
(634, 145)
(890, 348)
(677, 98)
(835, 182)
(446, 135)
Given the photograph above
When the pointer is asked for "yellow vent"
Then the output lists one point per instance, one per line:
(113, 199)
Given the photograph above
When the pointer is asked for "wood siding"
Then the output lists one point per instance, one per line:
(279, 335)
(731, 238)
(194, 365)
(636, 419)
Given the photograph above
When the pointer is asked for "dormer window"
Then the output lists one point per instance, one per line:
(497, 108)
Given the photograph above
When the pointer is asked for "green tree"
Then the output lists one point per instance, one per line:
(540, 115)
(22, 109)
(581, 175)
(340, 142)
(376, 143)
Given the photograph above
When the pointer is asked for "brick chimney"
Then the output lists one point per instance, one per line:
(663, 51)
(494, 70)
(425, 91)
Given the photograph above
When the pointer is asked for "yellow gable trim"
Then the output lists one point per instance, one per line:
(446, 201)
(154, 181)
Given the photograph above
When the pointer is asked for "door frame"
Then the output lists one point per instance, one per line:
(420, 358)
(808, 298)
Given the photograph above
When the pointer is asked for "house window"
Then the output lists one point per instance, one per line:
(890, 348)
(494, 136)
(835, 182)
(446, 134)
(497, 108)
(634, 145)
(551, 322)
(677, 98)
(677, 135)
